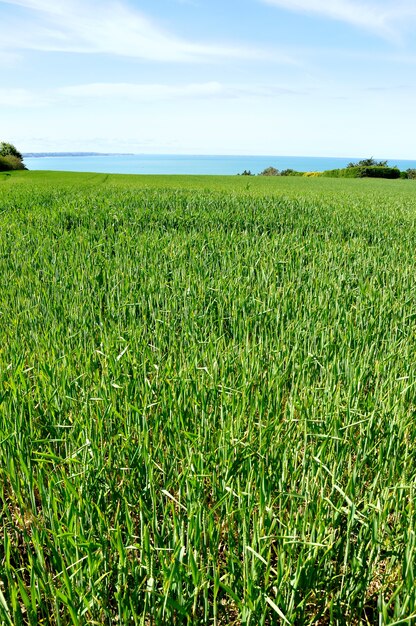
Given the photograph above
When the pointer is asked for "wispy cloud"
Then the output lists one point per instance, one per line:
(383, 18)
(17, 98)
(22, 98)
(108, 27)
(142, 91)
(157, 92)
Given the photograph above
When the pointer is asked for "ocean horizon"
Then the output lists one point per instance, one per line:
(165, 164)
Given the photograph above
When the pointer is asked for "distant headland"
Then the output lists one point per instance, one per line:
(34, 155)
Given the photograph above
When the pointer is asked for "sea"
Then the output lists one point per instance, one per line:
(187, 164)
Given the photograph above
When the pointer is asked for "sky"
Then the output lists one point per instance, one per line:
(249, 77)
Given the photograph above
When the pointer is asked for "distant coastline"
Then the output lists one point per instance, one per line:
(36, 155)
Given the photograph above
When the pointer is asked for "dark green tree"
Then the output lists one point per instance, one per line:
(10, 157)
(290, 172)
(368, 163)
(8, 149)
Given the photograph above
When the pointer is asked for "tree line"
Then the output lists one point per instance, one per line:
(366, 168)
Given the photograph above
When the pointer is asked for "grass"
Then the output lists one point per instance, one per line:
(207, 400)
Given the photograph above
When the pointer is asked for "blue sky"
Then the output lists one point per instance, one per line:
(278, 77)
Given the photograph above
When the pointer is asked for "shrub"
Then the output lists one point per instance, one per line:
(290, 172)
(245, 173)
(10, 157)
(270, 171)
(411, 173)
(312, 174)
(8, 149)
(348, 172)
(4, 165)
(376, 171)
(368, 163)
(8, 163)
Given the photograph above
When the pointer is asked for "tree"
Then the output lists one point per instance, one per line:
(8, 149)
(10, 157)
(290, 172)
(269, 171)
(368, 163)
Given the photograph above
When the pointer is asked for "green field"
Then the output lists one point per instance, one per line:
(207, 400)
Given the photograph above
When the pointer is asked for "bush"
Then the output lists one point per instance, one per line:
(245, 173)
(270, 171)
(10, 157)
(312, 174)
(8, 163)
(8, 149)
(4, 165)
(290, 172)
(350, 172)
(376, 171)
(411, 173)
(368, 163)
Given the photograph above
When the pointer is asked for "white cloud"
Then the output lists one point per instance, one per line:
(142, 91)
(108, 27)
(382, 17)
(17, 98)
(149, 92)
(22, 98)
